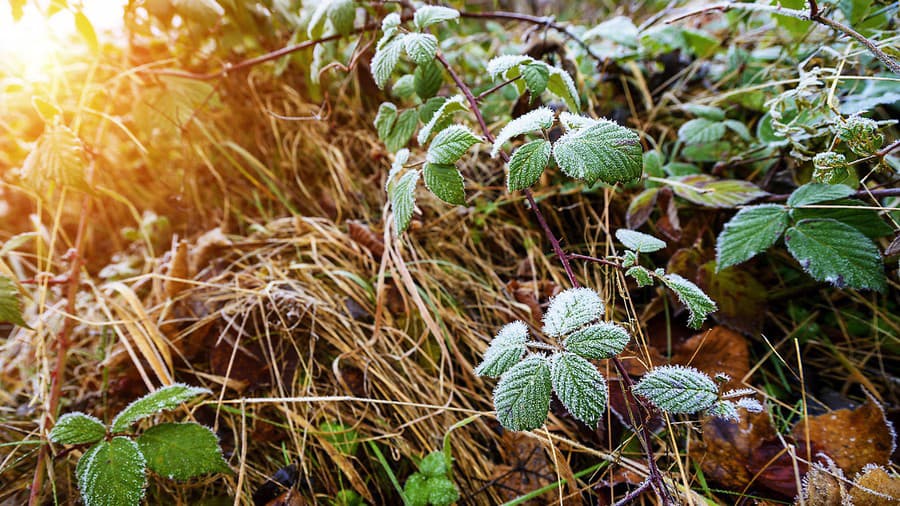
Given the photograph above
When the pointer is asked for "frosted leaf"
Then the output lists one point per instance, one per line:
(600, 340)
(641, 275)
(575, 121)
(814, 193)
(384, 120)
(725, 410)
(638, 241)
(181, 450)
(112, 473)
(165, 398)
(522, 397)
(434, 464)
(751, 231)
(677, 389)
(441, 117)
(385, 59)
(445, 182)
(750, 404)
(527, 164)
(580, 387)
(402, 131)
(428, 15)
(403, 200)
(540, 118)
(450, 144)
(699, 305)
(604, 151)
(572, 309)
(837, 253)
(562, 85)
(421, 47)
(77, 428)
(501, 65)
(400, 159)
(505, 350)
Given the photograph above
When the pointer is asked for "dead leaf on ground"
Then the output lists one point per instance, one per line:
(531, 469)
(719, 350)
(725, 447)
(875, 479)
(740, 297)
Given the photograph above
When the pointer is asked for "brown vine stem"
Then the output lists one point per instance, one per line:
(63, 343)
(655, 477)
(814, 14)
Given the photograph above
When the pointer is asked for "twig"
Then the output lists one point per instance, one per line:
(587, 258)
(654, 476)
(814, 14)
(884, 192)
(500, 86)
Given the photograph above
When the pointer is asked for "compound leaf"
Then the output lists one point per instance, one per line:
(750, 232)
(522, 396)
(181, 451)
(580, 387)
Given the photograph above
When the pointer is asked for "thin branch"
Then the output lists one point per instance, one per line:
(588, 258)
(884, 192)
(496, 88)
(814, 14)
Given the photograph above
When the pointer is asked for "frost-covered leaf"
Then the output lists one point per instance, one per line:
(522, 396)
(445, 182)
(830, 167)
(751, 231)
(434, 464)
(415, 493)
(385, 59)
(450, 144)
(600, 340)
(390, 21)
(638, 241)
(421, 47)
(698, 303)
(505, 350)
(750, 404)
(404, 86)
(540, 118)
(342, 13)
(701, 131)
(402, 131)
(403, 200)
(441, 118)
(726, 410)
(814, 193)
(427, 80)
(571, 121)
(571, 309)
(837, 253)
(861, 135)
(677, 389)
(77, 428)
(164, 399)
(181, 451)
(10, 302)
(708, 191)
(112, 473)
(428, 15)
(641, 275)
(400, 159)
(384, 120)
(536, 77)
(527, 164)
(605, 151)
(561, 84)
(580, 387)
(855, 213)
(499, 66)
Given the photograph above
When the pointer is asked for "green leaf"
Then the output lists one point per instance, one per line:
(390, 21)
(441, 118)
(345, 439)
(861, 135)
(415, 493)
(450, 144)
(562, 85)
(385, 59)
(403, 200)
(677, 389)
(501, 65)
(164, 399)
(434, 464)
(445, 182)
(421, 47)
(750, 232)
(701, 130)
(441, 491)
(604, 151)
(112, 473)
(571, 309)
(641, 275)
(580, 387)
(739, 128)
(705, 111)
(571, 121)
(641, 207)
(77, 428)
(384, 120)
(505, 351)
(403, 130)
(600, 340)
(181, 451)
(708, 152)
(404, 86)
(536, 76)
(342, 14)
(427, 80)
(540, 118)
(708, 191)
(428, 15)
(522, 396)
(638, 241)
(830, 168)
(527, 164)
(698, 303)
(400, 159)
(837, 253)
(857, 214)
(814, 193)
(10, 303)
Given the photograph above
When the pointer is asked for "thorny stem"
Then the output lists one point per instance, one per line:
(654, 476)
(814, 14)
(63, 343)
